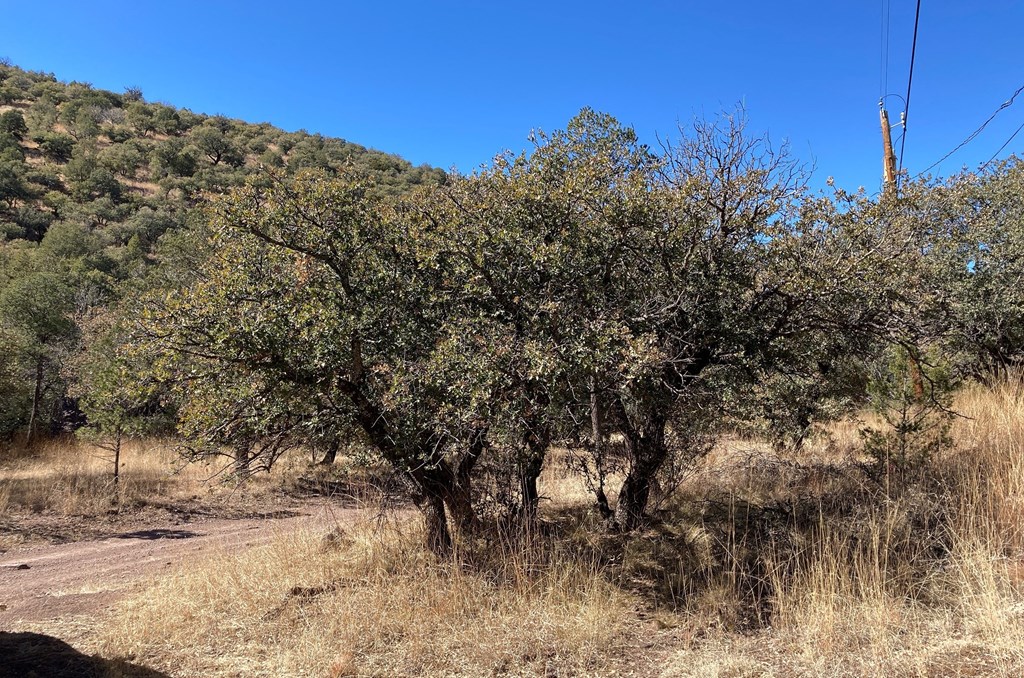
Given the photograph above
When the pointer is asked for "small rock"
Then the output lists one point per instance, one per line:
(23, 566)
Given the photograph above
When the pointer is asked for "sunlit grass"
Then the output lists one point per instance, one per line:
(767, 563)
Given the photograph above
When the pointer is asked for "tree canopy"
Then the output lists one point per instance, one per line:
(590, 293)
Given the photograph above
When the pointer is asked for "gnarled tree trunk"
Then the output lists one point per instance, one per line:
(647, 451)
(437, 535)
(538, 440)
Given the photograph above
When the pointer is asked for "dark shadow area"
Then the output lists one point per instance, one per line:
(188, 511)
(349, 488)
(68, 531)
(34, 655)
(158, 534)
(749, 538)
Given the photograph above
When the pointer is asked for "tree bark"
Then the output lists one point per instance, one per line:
(37, 396)
(331, 454)
(597, 435)
(446, 502)
(117, 458)
(648, 451)
(459, 502)
(438, 536)
(530, 495)
(435, 486)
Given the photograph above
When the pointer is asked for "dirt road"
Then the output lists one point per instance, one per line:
(79, 578)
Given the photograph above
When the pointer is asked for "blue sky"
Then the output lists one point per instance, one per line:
(452, 83)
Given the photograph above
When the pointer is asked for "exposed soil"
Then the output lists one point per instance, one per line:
(42, 582)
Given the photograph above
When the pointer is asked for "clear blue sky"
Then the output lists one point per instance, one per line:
(452, 83)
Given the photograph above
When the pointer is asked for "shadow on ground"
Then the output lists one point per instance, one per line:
(158, 534)
(31, 655)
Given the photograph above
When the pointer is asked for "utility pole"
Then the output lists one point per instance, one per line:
(888, 156)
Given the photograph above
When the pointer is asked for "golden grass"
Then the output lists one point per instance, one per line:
(769, 564)
(928, 583)
(69, 477)
(374, 603)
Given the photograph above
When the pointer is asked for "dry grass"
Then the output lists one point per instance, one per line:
(71, 477)
(769, 564)
(371, 602)
(926, 583)
(63, 489)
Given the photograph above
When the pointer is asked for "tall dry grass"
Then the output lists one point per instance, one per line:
(769, 564)
(70, 477)
(924, 583)
(370, 601)
(64, 488)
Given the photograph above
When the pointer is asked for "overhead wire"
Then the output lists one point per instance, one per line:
(883, 58)
(973, 135)
(910, 81)
(1005, 144)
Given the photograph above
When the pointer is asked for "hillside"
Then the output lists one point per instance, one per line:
(90, 182)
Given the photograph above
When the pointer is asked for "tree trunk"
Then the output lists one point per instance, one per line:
(117, 459)
(538, 440)
(647, 450)
(433, 484)
(459, 502)
(37, 396)
(438, 536)
(331, 454)
(597, 436)
(528, 475)
(436, 490)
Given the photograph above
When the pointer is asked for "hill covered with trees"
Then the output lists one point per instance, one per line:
(94, 187)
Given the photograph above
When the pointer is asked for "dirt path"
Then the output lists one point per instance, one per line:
(80, 578)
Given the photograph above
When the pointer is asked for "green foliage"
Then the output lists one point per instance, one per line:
(15, 390)
(37, 327)
(13, 123)
(123, 159)
(38, 306)
(975, 244)
(171, 157)
(13, 186)
(913, 400)
(277, 289)
(114, 182)
(114, 391)
(216, 145)
(586, 292)
(55, 146)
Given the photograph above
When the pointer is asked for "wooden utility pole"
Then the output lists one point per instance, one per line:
(888, 156)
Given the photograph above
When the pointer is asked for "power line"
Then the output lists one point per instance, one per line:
(910, 81)
(1005, 144)
(975, 133)
(883, 58)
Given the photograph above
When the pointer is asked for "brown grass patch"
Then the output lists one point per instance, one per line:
(374, 603)
(63, 489)
(768, 563)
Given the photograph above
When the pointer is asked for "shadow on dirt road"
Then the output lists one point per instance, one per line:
(26, 655)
